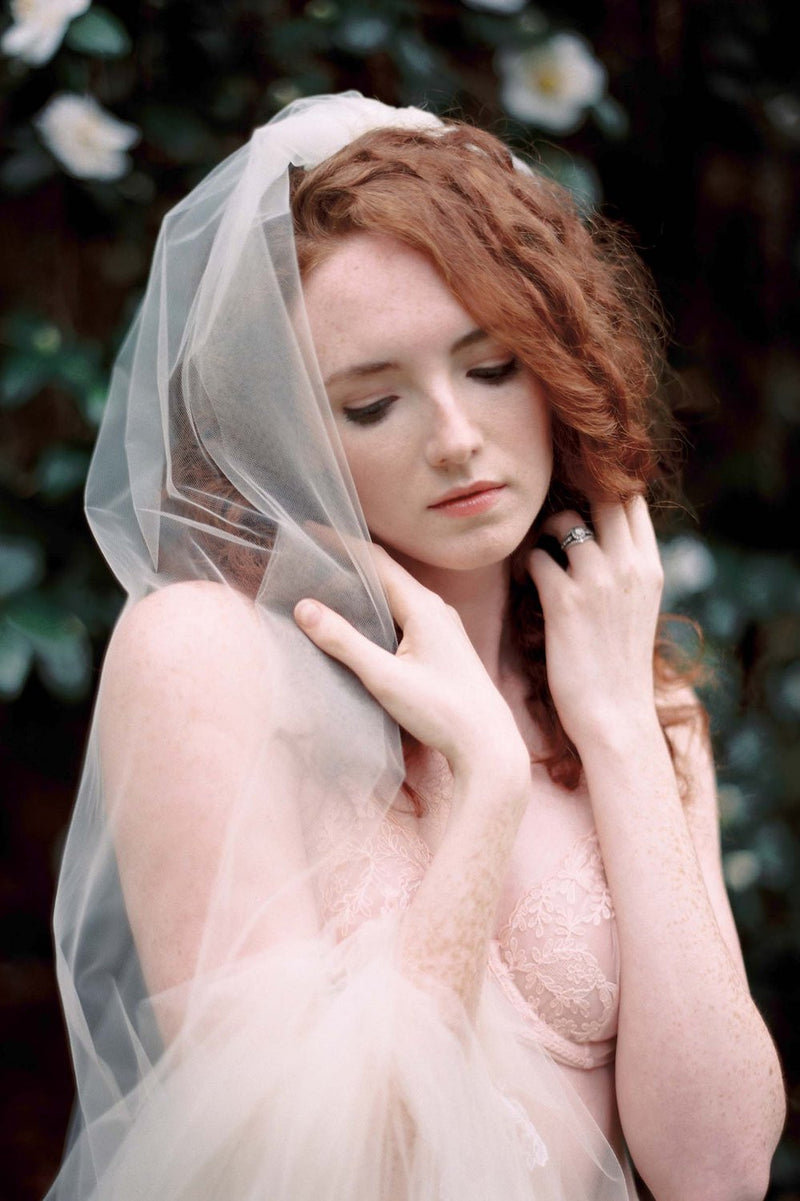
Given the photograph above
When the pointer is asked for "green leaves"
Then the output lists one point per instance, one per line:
(61, 470)
(41, 546)
(39, 355)
(35, 629)
(16, 656)
(99, 34)
(21, 564)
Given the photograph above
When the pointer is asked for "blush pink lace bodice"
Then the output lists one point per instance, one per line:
(554, 955)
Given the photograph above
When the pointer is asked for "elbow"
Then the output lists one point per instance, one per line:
(750, 1183)
(742, 1175)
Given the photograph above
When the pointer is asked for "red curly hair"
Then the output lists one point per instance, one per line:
(563, 293)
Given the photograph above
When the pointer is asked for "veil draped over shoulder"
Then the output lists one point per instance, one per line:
(300, 1065)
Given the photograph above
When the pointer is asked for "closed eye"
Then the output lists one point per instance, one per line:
(497, 373)
(372, 413)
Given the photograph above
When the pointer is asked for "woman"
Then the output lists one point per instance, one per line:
(297, 959)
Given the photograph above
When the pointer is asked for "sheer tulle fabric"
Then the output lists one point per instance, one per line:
(294, 1066)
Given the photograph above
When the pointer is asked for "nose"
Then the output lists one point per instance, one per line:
(454, 435)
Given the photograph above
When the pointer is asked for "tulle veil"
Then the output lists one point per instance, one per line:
(309, 1068)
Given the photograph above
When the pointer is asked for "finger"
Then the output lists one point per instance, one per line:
(546, 574)
(641, 525)
(403, 592)
(336, 637)
(610, 520)
(561, 525)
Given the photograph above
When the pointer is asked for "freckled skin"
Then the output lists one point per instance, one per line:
(695, 1068)
(689, 1034)
(375, 301)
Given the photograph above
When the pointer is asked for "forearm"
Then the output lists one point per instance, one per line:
(696, 1069)
(447, 928)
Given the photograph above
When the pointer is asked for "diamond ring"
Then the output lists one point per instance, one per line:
(574, 537)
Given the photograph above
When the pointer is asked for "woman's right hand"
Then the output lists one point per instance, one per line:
(435, 685)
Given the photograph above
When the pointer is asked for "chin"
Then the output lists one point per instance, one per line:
(461, 553)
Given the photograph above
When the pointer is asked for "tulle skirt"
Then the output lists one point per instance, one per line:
(315, 1071)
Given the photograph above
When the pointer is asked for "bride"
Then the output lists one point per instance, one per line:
(376, 459)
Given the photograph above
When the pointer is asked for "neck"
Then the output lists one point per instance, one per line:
(480, 597)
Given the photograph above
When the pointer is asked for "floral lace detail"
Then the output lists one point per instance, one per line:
(373, 875)
(548, 946)
(549, 953)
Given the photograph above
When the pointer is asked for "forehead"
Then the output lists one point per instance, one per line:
(374, 289)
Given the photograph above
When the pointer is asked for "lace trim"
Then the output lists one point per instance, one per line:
(544, 955)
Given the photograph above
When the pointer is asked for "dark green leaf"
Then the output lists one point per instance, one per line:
(177, 132)
(93, 403)
(61, 470)
(21, 564)
(43, 621)
(28, 331)
(100, 34)
(612, 118)
(575, 173)
(24, 171)
(293, 42)
(59, 640)
(22, 375)
(362, 33)
(16, 654)
(77, 368)
(66, 667)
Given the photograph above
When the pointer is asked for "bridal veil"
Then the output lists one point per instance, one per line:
(303, 1066)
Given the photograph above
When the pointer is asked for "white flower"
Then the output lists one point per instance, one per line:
(87, 140)
(39, 26)
(551, 84)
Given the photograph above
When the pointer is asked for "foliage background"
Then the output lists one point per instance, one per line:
(694, 145)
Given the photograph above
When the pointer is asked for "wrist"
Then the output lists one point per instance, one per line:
(606, 720)
(622, 734)
(495, 760)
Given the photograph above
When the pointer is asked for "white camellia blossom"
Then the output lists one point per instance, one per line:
(552, 83)
(87, 141)
(39, 27)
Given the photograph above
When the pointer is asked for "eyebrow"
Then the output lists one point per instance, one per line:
(359, 370)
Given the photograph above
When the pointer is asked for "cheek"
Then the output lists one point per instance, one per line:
(529, 427)
(374, 475)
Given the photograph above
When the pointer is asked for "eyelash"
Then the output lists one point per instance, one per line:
(498, 374)
(372, 413)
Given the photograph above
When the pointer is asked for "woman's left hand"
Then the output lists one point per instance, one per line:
(600, 617)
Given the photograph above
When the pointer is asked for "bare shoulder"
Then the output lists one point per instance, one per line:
(191, 637)
(187, 609)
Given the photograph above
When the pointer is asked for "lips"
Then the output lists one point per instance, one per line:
(479, 488)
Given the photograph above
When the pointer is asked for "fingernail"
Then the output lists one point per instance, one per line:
(307, 612)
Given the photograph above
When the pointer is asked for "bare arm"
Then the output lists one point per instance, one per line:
(698, 1081)
(437, 688)
(184, 698)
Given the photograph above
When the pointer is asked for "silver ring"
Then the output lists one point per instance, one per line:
(574, 537)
